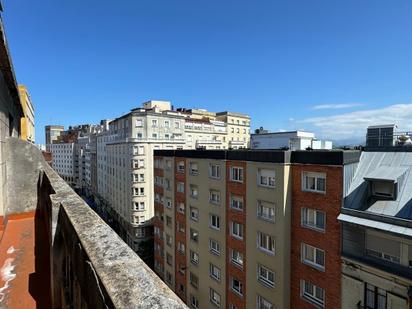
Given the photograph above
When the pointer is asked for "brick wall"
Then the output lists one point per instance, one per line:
(231, 242)
(329, 241)
(180, 259)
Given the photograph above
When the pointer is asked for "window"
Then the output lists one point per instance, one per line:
(375, 298)
(312, 293)
(214, 171)
(266, 211)
(315, 182)
(139, 135)
(168, 164)
(214, 297)
(169, 278)
(214, 272)
(168, 221)
(181, 208)
(177, 125)
(181, 167)
(194, 191)
(166, 183)
(214, 221)
(383, 248)
(139, 206)
(237, 258)
(180, 247)
(169, 259)
(167, 124)
(236, 285)
(194, 280)
(266, 243)
(266, 178)
(180, 227)
(214, 247)
(194, 213)
(139, 123)
(266, 276)
(169, 240)
(194, 302)
(154, 122)
(194, 257)
(194, 235)
(214, 197)
(180, 187)
(193, 168)
(236, 202)
(263, 303)
(236, 230)
(236, 174)
(169, 203)
(314, 219)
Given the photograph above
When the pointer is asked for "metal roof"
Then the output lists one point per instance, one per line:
(382, 165)
(386, 173)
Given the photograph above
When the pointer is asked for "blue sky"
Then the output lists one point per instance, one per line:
(333, 67)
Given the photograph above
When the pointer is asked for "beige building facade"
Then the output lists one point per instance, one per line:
(232, 230)
(27, 122)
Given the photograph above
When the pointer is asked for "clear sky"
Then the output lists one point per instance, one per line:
(329, 66)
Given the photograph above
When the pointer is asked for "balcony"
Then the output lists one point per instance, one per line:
(57, 252)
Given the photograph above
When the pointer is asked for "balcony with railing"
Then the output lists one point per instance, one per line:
(56, 252)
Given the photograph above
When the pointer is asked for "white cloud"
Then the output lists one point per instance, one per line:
(352, 126)
(336, 106)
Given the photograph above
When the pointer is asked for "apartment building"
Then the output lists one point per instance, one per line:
(320, 180)
(222, 227)
(63, 160)
(27, 122)
(52, 132)
(292, 140)
(377, 232)
(125, 159)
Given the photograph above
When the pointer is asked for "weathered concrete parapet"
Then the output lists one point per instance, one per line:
(91, 265)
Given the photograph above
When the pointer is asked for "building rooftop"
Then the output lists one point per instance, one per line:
(381, 166)
(325, 157)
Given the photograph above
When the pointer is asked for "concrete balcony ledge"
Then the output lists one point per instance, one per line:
(90, 265)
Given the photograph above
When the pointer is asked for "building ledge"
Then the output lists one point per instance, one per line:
(55, 234)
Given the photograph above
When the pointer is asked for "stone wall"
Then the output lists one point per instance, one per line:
(90, 266)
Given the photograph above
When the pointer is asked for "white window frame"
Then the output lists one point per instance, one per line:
(214, 272)
(217, 226)
(306, 213)
(236, 173)
(213, 300)
(194, 257)
(311, 296)
(236, 201)
(232, 286)
(270, 180)
(215, 249)
(214, 197)
(194, 213)
(267, 239)
(217, 169)
(265, 280)
(260, 213)
(316, 176)
(234, 260)
(315, 252)
(263, 303)
(233, 229)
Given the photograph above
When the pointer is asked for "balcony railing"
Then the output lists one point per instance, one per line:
(77, 259)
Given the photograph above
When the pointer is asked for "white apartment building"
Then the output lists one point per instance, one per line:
(293, 140)
(125, 156)
(63, 160)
